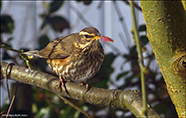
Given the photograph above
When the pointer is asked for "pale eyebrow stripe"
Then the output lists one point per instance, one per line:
(84, 33)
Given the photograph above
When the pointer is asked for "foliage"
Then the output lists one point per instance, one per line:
(7, 25)
(47, 103)
(58, 23)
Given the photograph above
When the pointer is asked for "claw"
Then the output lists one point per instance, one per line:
(62, 82)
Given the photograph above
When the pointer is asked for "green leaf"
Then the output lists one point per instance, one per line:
(133, 50)
(121, 75)
(55, 5)
(43, 41)
(142, 28)
(46, 19)
(132, 56)
(9, 39)
(67, 112)
(6, 56)
(43, 25)
(7, 24)
(59, 23)
(144, 39)
(108, 60)
(85, 2)
(43, 111)
(78, 0)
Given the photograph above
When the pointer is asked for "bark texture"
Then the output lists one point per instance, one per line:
(166, 23)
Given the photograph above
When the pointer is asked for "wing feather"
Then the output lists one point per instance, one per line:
(59, 48)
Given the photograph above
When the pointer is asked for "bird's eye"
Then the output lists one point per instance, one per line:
(88, 36)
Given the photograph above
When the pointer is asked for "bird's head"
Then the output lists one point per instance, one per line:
(91, 33)
(89, 41)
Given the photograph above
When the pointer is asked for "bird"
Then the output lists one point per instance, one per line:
(75, 57)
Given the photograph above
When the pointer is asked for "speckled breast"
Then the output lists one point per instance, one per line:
(78, 67)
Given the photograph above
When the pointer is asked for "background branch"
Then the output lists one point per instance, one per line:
(129, 99)
(140, 57)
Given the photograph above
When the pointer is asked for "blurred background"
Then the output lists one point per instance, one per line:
(31, 25)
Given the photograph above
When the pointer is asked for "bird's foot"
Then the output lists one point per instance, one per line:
(62, 83)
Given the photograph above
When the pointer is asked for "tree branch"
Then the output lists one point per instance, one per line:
(129, 99)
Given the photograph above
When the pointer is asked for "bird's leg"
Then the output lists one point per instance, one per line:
(62, 82)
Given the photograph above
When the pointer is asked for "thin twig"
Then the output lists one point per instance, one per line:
(124, 42)
(114, 48)
(135, 5)
(100, 4)
(74, 106)
(123, 24)
(141, 63)
(80, 16)
(9, 48)
(6, 77)
(10, 106)
(23, 56)
(49, 101)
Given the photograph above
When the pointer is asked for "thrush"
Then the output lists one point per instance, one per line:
(75, 57)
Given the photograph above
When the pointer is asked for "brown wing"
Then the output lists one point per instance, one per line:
(60, 48)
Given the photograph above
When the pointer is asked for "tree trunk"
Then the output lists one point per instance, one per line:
(166, 23)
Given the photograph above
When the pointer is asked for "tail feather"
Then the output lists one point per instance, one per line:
(35, 53)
